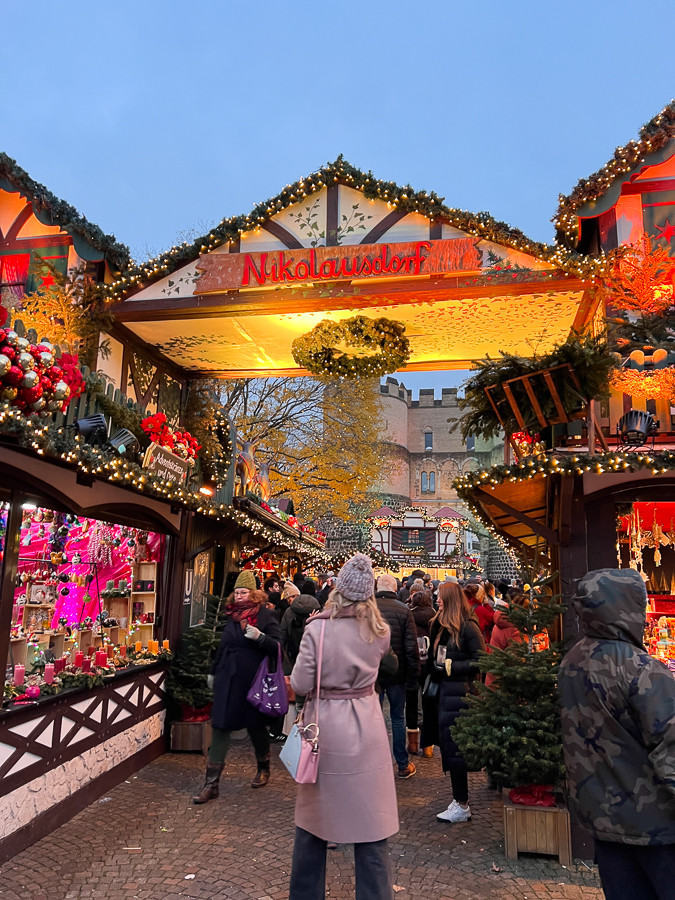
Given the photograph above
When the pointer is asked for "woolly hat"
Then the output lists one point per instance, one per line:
(290, 590)
(387, 583)
(246, 579)
(452, 579)
(355, 579)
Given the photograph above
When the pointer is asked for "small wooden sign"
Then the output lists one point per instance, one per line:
(165, 464)
(274, 268)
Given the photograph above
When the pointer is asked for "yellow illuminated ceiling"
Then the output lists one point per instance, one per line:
(443, 334)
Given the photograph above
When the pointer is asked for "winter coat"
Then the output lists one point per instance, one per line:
(422, 616)
(234, 667)
(400, 620)
(293, 624)
(452, 688)
(485, 616)
(279, 603)
(618, 716)
(354, 798)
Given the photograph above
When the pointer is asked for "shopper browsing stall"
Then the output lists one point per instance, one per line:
(251, 631)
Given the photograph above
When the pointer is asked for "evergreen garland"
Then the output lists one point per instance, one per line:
(318, 351)
(512, 729)
(590, 358)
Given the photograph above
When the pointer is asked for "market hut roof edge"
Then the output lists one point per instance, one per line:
(656, 134)
(403, 199)
(50, 210)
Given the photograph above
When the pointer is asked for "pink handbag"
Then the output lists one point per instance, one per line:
(300, 753)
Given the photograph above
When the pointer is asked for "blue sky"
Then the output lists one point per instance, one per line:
(157, 119)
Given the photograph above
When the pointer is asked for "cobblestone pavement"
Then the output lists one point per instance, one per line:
(147, 841)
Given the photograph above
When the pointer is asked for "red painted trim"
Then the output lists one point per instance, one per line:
(48, 240)
(646, 187)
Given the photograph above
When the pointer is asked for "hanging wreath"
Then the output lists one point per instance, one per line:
(354, 348)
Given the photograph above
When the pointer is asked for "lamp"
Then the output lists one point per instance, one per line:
(125, 442)
(93, 429)
(636, 427)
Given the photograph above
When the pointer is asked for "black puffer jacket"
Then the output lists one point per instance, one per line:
(403, 639)
(293, 625)
(453, 688)
(423, 616)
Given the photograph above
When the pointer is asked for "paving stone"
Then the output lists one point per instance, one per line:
(239, 847)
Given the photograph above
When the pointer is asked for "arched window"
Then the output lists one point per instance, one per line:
(428, 439)
(425, 483)
(432, 482)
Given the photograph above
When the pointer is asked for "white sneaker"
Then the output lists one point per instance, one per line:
(455, 813)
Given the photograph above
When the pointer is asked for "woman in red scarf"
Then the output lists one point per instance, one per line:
(251, 632)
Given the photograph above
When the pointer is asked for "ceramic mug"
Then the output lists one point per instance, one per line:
(423, 647)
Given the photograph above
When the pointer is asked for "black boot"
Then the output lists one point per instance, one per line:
(263, 773)
(210, 790)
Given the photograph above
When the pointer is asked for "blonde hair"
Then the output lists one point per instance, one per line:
(453, 609)
(366, 612)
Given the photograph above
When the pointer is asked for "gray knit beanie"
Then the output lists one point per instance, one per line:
(355, 579)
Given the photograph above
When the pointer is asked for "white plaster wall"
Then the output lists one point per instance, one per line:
(40, 795)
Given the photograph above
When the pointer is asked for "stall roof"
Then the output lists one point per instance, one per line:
(518, 511)
(599, 191)
(340, 243)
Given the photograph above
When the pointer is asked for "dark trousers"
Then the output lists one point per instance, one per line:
(221, 740)
(459, 778)
(308, 872)
(638, 873)
(412, 709)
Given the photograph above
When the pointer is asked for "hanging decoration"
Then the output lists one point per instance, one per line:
(179, 442)
(653, 384)
(354, 348)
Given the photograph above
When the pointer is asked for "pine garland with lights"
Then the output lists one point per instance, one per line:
(653, 136)
(318, 351)
(63, 444)
(512, 728)
(404, 199)
(589, 357)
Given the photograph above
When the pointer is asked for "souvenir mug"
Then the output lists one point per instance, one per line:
(423, 647)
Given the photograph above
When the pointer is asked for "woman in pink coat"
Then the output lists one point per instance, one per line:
(354, 798)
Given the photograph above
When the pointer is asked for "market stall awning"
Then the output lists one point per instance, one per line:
(462, 285)
(518, 511)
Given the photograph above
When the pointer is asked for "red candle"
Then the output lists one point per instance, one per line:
(59, 665)
(111, 651)
(123, 651)
(101, 658)
(91, 650)
(49, 673)
(79, 659)
(86, 664)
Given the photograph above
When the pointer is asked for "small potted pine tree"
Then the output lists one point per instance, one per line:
(511, 728)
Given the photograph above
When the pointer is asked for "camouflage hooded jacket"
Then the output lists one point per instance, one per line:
(618, 716)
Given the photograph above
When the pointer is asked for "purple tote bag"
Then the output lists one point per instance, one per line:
(268, 691)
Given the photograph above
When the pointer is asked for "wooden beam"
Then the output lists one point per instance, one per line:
(514, 406)
(287, 238)
(383, 226)
(332, 213)
(550, 536)
(550, 384)
(535, 403)
(326, 297)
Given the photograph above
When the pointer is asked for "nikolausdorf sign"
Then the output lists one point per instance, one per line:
(165, 464)
(233, 271)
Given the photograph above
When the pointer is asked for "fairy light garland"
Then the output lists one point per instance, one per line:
(654, 135)
(43, 438)
(482, 225)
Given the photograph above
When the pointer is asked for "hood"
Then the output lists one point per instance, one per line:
(304, 605)
(612, 605)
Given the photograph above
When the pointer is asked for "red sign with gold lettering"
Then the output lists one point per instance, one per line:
(274, 268)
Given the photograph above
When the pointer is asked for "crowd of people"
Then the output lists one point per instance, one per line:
(352, 625)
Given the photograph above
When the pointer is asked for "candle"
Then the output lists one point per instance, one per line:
(111, 651)
(86, 664)
(49, 673)
(101, 658)
(19, 672)
(91, 650)
(79, 659)
(153, 646)
(165, 645)
(139, 646)
(59, 665)
(123, 651)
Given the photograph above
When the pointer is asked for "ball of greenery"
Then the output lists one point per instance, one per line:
(380, 347)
